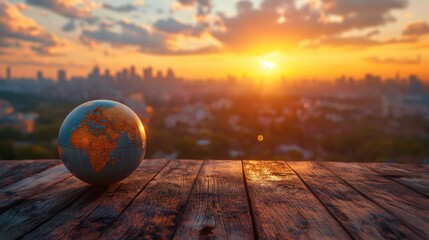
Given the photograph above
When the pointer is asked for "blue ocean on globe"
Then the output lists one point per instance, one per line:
(102, 142)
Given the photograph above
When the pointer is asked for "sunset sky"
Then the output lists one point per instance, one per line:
(210, 39)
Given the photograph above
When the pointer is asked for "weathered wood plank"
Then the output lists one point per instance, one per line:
(409, 170)
(218, 206)
(362, 218)
(98, 208)
(35, 210)
(20, 169)
(283, 206)
(21, 190)
(7, 165)
(415, 168)
(155, 212)
(409, 207)
(416, 180)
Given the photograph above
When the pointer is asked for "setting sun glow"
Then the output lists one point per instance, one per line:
(208, 39)
(266, 65)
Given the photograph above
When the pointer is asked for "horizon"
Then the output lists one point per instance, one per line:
(202, 39)
(55, 78)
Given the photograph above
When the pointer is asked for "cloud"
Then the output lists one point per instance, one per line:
(357, 41)
(139, 3)
(122, 8)
(15, 26)
(172, 25)
(244, 6)
(9, 43)
(203, 7)
(70, 9)
(416, 29)
(147, 41)
(130, 34)
(21, 6)
(279, 24)
(70, 26)
(80, 10)
(395, 61)
(187, 2)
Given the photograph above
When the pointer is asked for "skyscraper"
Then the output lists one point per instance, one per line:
(96, 71)
(107, 73)
(134, 78)
(39, 76)
(170, 74)
(125, 75)
(61, 76)
(159, 75)
(132, 72)
(147, 73)
(8, 73)
(415, 86)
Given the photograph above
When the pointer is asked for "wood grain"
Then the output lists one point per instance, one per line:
(410, 207)
(284, 207)
(7, 165)
(218, 199)
(361, 217)
(415, 168)
(218, 205)
(35, 210)
(156, 211)
(98, 208)
(416, 180)
(21, 169)
(17, 192)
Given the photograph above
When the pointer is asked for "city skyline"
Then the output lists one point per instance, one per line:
(143, 73)
(210, 39)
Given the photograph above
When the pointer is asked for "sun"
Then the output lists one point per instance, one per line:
(267, 65)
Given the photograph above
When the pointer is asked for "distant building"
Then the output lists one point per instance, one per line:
(372, 80)
(39, 76)
(415, 86)
(107, 73)
(159, 75)
(289, 149)
(23, 122)
(132, 71)
(170, 74)
(5, 108)
(125, 75)
(148, 73)
(8, 73)
(137, 103)
(61, 76)
(133, 75)
(96, 71)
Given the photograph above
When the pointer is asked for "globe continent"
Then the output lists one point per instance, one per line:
(102, 142)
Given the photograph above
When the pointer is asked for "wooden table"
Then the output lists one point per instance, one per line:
(192, 199)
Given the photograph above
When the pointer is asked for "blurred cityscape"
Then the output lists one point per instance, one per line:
(346, 119)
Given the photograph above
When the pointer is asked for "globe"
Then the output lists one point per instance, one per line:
(102, 142)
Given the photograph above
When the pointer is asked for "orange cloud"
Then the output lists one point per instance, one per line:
(279, 24)
(67, 8)
(395, 61)
(416, 29)
(165, 38)
(16, 27)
